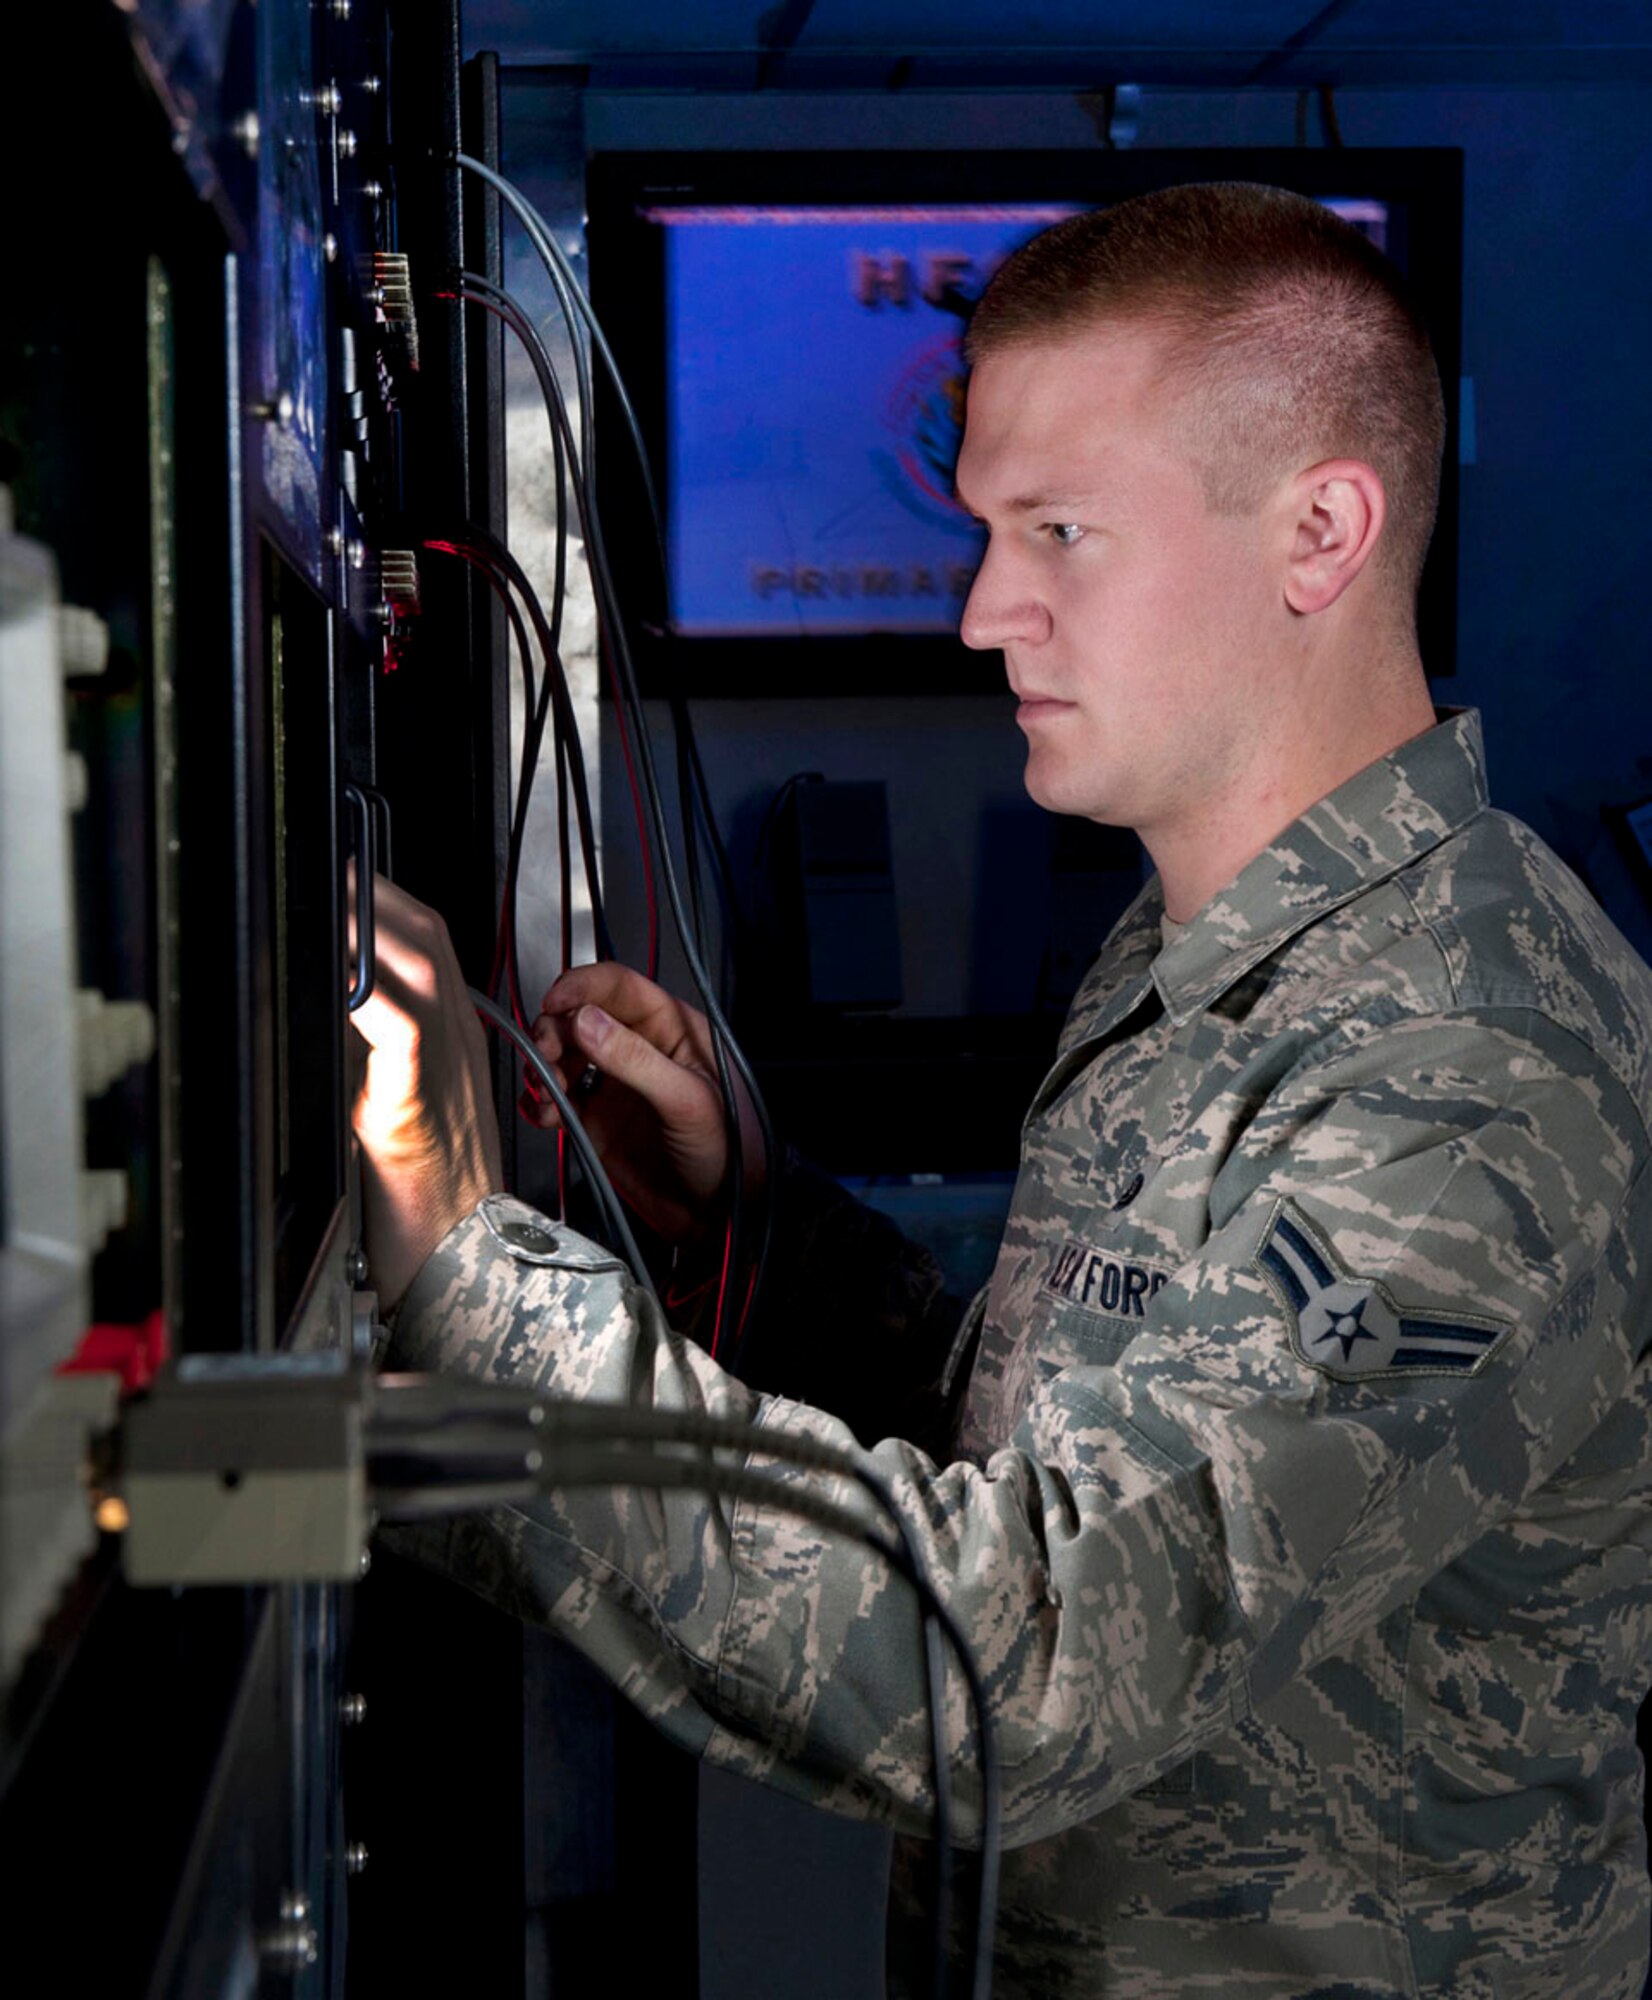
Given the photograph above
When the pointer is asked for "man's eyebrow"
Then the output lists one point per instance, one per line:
(1049, 503)
(1034, 503)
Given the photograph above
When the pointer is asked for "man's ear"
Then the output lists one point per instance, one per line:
(1336, 514)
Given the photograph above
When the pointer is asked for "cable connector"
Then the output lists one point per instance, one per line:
(399, 582)
(271, 1468)
(392, 295)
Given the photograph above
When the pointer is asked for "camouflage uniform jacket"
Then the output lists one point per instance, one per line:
(1302, 1506)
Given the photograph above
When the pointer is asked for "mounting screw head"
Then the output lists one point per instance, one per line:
(289, 1947)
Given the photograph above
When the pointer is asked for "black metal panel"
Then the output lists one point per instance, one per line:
(440, 711)
(436, 1773)
(435, 1791)
(121, 1780)
(168, 1761)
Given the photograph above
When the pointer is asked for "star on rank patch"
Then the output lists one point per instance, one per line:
(1350, 1326)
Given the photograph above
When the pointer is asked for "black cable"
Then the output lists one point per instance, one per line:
(553, 691)
(725, 1049)
(569, 758)
(556, 408)
(572, 299)
(564, 857)
(483, 291)
(617, 1227)
(571, 295)
(734, 931)
(681, 722)
(597, 1431)
(525, 775)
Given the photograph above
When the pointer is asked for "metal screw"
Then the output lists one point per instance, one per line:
(295, 1906)
(355, 1857)
(356, 554)
(372, 85)
(329, 98)
(279, 412)
(366, 1562)
(355, 1267)
(341, 10)
(335, 541)
(329, 246)
(352, 1710)
(289, 1947)
(374, 190)
(346, 144)
(245, 131)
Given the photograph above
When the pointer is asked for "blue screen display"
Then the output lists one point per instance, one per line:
(815, 405)
(814, 408)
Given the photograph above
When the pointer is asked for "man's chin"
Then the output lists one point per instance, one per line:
(1062, 791)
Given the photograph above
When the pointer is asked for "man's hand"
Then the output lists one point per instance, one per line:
(657, 1118)
(424, 1109)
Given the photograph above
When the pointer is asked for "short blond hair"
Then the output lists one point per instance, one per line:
(1291, 338)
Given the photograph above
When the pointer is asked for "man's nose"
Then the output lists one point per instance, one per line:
(1001, 608)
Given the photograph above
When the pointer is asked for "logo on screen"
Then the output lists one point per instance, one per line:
(925, 412)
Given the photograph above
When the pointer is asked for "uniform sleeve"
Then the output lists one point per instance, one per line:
(1233, 1499)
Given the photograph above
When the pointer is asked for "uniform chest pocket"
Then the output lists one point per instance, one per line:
(1076, 1337)
(1061, 1336)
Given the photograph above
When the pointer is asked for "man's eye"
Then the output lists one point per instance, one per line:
(1064, 533)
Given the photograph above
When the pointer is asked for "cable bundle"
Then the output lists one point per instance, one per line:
(572, 443)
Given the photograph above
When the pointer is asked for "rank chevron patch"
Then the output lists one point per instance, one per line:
(1349, 1326)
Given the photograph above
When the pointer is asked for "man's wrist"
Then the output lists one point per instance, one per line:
(406, 1225)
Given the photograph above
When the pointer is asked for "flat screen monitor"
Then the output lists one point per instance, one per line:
(790, 327)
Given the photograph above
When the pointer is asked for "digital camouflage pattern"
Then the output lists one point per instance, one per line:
(1302, 1501)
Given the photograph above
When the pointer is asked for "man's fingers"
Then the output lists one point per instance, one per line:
(606, 983)
(635, 1002)
(679, 1096)
(410, 940)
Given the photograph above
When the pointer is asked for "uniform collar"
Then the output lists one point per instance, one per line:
(1378, 822)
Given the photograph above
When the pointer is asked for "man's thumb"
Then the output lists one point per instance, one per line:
(677, 1095)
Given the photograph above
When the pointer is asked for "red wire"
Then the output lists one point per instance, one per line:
(722, 1290)
(751, 1286)
(637, 807)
